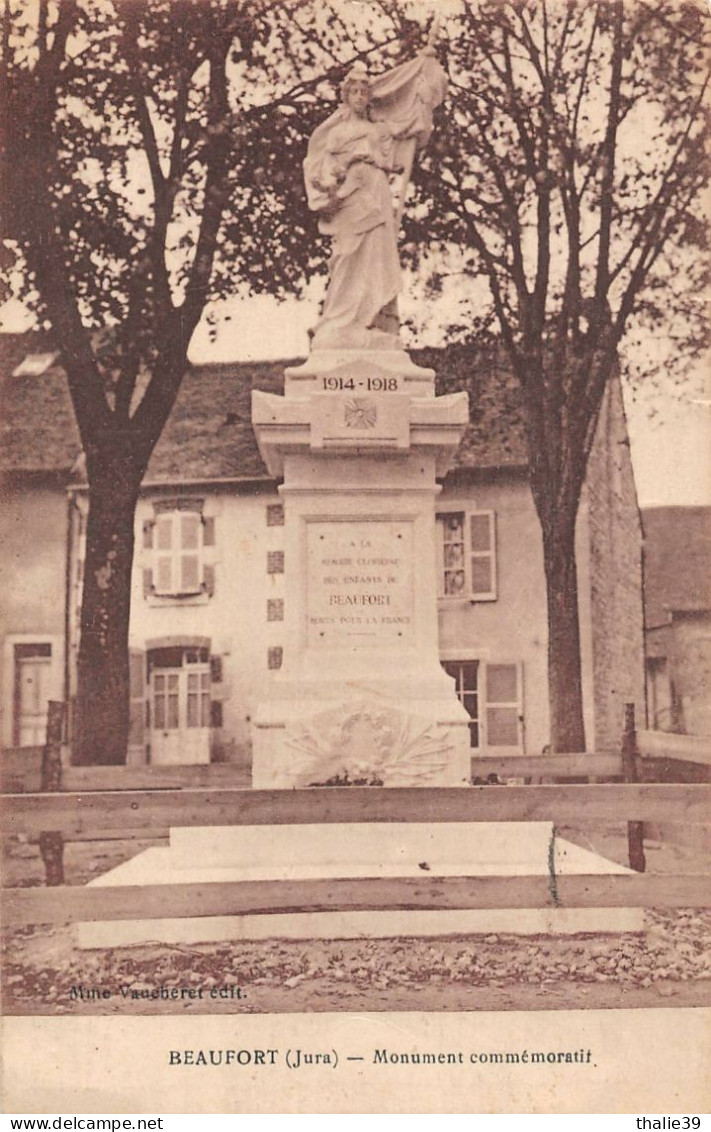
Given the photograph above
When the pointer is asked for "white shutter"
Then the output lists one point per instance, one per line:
(504, 708)
(481, 554)
(189, 554)
(163, 573)
(137, 707)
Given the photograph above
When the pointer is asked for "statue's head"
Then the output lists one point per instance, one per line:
(355, 90)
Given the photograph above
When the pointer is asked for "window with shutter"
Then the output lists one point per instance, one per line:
(467, 554)
(491, 694)
(177, 539)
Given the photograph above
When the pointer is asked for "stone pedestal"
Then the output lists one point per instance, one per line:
(360, 440)
(201, 856)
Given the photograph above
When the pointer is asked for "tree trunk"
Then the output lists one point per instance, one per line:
(565, 690)
(101, 734)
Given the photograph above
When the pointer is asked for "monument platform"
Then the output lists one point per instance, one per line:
(363, 850)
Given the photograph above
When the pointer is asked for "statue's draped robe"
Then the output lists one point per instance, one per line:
(352, 156)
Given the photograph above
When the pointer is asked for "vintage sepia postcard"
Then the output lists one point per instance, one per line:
(354, 545)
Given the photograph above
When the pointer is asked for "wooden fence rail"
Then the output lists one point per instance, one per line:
(683, 748)
(20, 772)
(256, 898)
(20, 768)
(134, 801)
(133, 810)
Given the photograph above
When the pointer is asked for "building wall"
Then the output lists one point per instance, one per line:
(679, 673)
(614, 555)
(513, 628)
(241, 621)
(238, 619)
(232, 621)
(690, 670)
(585, 616)
(33, 517)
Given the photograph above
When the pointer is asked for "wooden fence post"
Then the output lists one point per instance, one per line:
(51, 844)
(630, 770)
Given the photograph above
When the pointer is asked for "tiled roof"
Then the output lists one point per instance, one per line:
(677, 556)
(37, 427)
(495, 435)
(209, 434)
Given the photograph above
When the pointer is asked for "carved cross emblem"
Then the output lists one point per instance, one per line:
(361, 413)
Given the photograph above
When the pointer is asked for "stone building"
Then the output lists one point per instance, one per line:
(208, 581)
(39, 447)
(677, 549)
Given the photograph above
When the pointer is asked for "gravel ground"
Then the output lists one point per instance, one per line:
(40, 969)
(668, 964)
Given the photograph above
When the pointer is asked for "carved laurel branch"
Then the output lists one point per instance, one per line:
(364, 740)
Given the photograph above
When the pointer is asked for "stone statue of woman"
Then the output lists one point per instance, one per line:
(381, 122)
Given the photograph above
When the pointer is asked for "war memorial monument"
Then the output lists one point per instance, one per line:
(359, 440)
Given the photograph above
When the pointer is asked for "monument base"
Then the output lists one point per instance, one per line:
(351, 851)
(366, 739)
(360, 440)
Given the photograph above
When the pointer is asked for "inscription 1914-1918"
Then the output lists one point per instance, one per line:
(360, 586)
(367, 384)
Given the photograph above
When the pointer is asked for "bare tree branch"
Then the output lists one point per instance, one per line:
(602, 280)
(659, 199)
(584, 71)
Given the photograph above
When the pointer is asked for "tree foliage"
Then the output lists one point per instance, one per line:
(151, 164)
(148, 166)
(569, 183)
(574, 172)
